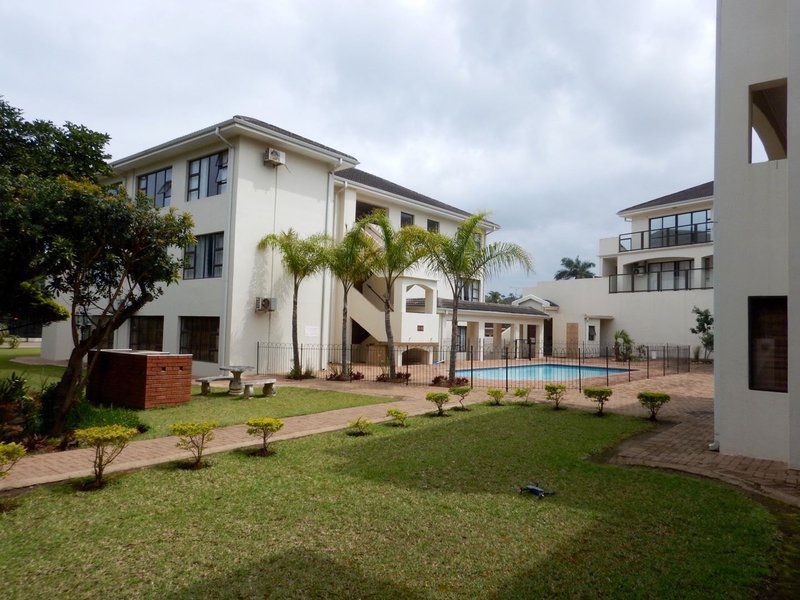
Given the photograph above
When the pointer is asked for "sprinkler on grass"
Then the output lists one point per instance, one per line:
(535, 490)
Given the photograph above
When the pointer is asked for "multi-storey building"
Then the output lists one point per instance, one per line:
(242, 179)
(650, 277)
(757, 176)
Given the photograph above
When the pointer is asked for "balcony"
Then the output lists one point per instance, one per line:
(664, 281)
(682, 235)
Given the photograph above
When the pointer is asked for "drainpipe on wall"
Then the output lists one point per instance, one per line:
(231, 234)
(325, 305)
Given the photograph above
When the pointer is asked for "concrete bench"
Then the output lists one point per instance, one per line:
(268, 390)
(205, 382)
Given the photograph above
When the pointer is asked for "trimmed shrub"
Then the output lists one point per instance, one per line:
(400, 378)
(361, 426)
(398, 416)
(495, 396)
(264, 427)
(524, 393)
(439, 399)
(107, 442)
(193, 438)
(462, 391)
(599, 395)
(20, 411)
(555, 392)
(443, 381)
(13, 342)
(653, 401)
(9, 455)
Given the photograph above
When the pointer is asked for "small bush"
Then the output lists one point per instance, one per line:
(13, 342)
(495, 396)
(264, 427)
(85, 414)
(20, 411)
(9, 455)
(398, 416)
(439, 399)
(555, 392)
(524, 393)
(599, 395)
(361, 426)
(443, 381)
(107, 442)
(399, 378)
(462, 391)
(193, 438)
(335, 375)
(653, 401)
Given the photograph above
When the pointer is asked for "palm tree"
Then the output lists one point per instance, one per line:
(301, 258)
(494, 297)
(396, 251)
(462, 257)
(351, 261)
(575, 269)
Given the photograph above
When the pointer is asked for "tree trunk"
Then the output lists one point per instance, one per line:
(389, 335)
(298, 371)
(344, 333)
(66, 392)
(451, 369)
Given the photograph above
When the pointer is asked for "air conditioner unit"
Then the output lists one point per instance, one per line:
(274, 157)
(265, 304)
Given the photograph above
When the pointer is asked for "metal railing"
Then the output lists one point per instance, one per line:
(661, 281)
(682, 235)
(506, 366)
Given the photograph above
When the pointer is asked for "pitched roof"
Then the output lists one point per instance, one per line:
(364, 178)
(300, 138)
(704, 190)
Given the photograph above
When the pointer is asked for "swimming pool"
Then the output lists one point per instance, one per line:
(540, 372)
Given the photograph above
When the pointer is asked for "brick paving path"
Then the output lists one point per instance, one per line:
(680, 442)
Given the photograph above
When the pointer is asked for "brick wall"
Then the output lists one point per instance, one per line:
(140, 379)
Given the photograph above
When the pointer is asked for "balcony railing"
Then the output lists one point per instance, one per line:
(662, 281)
(682, 235)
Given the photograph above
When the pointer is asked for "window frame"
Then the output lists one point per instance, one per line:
(203, 174)
(433, 226)
(204, 327)
(781, 364)
(166, 196)
(212, 260)
(404, 217)
(148, 333)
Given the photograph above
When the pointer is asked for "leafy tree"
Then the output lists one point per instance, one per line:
(704, 329)
(193, 437)
(462, 257)
(108, 442)
(264, 427)
(301, 258)
(352, 261)
(575, 269)
(494, 297)
(32, 155)
(397, 251)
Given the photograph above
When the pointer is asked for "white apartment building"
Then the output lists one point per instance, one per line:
(649, 278)
(757, 176)
(242, 179)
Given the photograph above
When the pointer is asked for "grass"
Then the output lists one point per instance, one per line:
(429, 511)
(218, 406)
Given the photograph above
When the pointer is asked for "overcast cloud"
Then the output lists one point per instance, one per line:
(552, 114)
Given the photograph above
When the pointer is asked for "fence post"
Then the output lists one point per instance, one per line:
(471, 365)
(580, 378)
(664, 359)
(300, 366)
(408, 376)
(606, 365)
(688, 359)
(629, 365)
(648, 361)
(258, 355)
(506, 368)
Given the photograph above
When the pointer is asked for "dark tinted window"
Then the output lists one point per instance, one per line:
(768, 339)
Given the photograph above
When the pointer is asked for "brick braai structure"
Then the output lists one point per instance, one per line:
(140, 379)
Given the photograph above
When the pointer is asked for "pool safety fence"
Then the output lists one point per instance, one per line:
(507, 367)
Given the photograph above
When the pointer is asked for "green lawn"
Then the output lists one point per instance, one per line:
(430, 511)
(219, 406)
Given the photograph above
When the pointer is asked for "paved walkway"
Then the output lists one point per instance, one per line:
(680, 442)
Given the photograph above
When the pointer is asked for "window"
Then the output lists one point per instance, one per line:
(200, 338)
(461, 340)
(406, 219)
(684, 228)
(433, 226)
(768, 114)
(208, 176)
(146, 333)
(471, 291)
(592, 333)
(88, 323)
(768, 340)
(157, 186)
(204, 259)
(364, 209)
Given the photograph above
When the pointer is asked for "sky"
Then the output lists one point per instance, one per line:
(551, 114)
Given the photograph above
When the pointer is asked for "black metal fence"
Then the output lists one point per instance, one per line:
(506, 366)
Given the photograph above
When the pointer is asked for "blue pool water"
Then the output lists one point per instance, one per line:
(540, 372)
